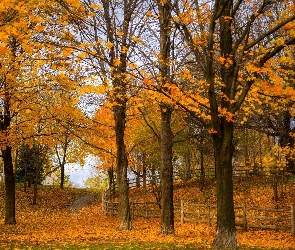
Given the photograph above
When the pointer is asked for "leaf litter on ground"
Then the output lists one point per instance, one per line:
(51, 223)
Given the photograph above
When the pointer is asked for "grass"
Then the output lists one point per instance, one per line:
(129, 246)
(113, 246)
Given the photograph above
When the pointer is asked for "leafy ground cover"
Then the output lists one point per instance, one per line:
(52, 224)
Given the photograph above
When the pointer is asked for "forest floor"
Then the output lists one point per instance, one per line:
(73, 219)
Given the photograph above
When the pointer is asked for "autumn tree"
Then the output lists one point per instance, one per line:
(26, 166)
(106, 33)
(228, 54)
(166, 136)
(26, 81)
(16, 29)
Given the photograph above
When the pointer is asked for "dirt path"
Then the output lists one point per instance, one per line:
(83, 201)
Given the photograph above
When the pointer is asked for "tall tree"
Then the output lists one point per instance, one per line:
(109, 36)
(228, 53)
(166, 136)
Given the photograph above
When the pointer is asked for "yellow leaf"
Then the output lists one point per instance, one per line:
(120, 33)
(95, 6)
(117, 62)
(109, 44)
(221, 59)
(124, 50)
(3, 50)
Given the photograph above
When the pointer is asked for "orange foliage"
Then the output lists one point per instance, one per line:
(51, 222)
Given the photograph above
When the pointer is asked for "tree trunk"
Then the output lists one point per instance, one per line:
(25, 178)
(144, 179)
(9, 187)
(226, 232)
(62, 176)
(167, 212)
(62, 161)
(187, 173)
(30, 181)
(137, 180)
(112, 190)
(202, 177)
(15, 162)
(285, 138)
(37, 164)
(225, 237)
(122, 164)
(166, 138)
(154, 177)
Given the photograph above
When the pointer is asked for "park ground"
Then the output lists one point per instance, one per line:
(73, 219)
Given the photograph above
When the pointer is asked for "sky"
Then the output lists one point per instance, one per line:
(79, 174)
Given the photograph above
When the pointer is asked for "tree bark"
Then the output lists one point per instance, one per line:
(187, 173)
(137, 179)
(37, 165)
(225, 237)
(62, 176)
(122, 164)
(202, 174)
(9, 187)
(8, 166)
(119, 98)
(285, 137)
(62, 162)
(25, 178)
(144, 179)
(166, 137)
(226, 232)
(167, 212)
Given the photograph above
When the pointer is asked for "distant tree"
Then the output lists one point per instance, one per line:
(57, 179)
(26, 165)
(93, 182)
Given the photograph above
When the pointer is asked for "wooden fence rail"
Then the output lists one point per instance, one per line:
(246, 217)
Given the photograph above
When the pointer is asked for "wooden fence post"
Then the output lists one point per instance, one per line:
(209, 216)
(292, 220)
(245, 226)
(182, 211)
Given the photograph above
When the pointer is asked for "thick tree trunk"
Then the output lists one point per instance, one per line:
(166, 138)
(122, 164)
(166, 175)
(9, 187)
(226, 232)
(285, 138)
(225, 237)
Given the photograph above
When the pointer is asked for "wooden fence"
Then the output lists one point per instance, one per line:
(137, 209)
(246, 217)
(151, 180)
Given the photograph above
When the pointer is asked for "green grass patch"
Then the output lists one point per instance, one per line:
(133, 245)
